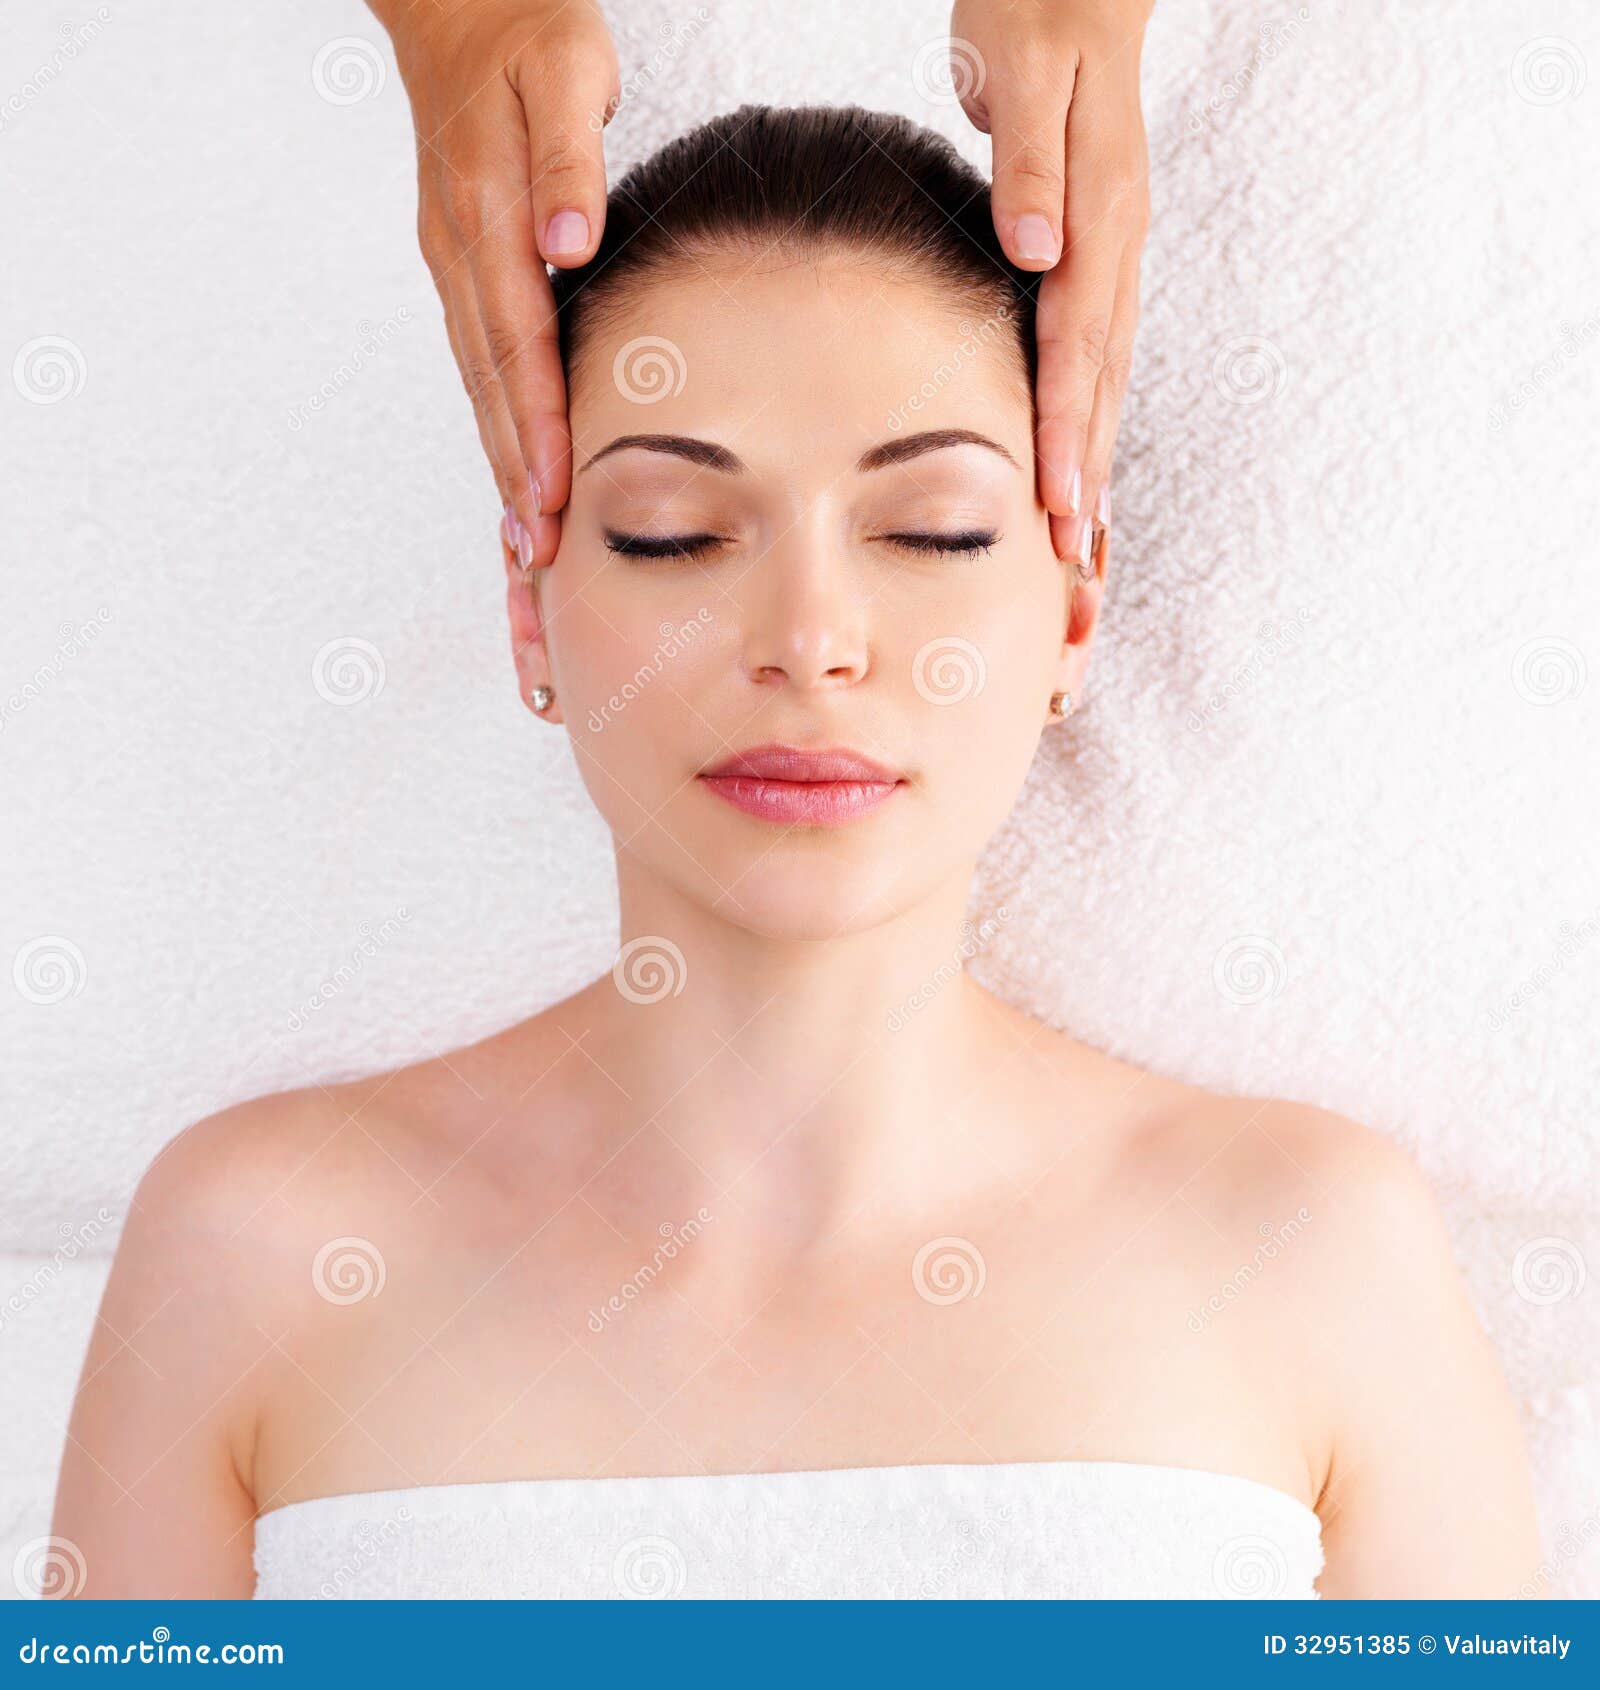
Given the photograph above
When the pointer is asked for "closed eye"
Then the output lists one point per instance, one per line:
(966, 543)
(662, 545)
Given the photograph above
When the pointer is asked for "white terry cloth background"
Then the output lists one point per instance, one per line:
(1324, 827)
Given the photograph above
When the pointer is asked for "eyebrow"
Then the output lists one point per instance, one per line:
(711, 456)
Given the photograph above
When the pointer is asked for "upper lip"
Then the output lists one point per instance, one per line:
(790, 762)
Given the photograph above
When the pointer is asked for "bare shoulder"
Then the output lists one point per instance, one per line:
(1342, 1214)
(1329, 1261)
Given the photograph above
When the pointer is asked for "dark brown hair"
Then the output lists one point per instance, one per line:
(796, 180)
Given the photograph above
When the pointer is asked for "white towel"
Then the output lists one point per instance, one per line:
(1021, 1530)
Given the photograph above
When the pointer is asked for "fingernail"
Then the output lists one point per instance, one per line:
(524, 546)
(533, 493)
(508, 531)
(1102, 506)
(1075, 492)
(1034, 238)
(566, 232)
(1086, 540)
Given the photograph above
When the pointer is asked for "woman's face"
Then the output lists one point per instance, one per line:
(802, 515)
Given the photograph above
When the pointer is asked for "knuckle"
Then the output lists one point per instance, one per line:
(479, 376)
(1115, 371)
(434, 241)
(1031, 164)
(1092, 334)
(504, 345)
(470, 203)
(562, 172)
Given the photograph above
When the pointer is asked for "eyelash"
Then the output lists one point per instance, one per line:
(965, 544)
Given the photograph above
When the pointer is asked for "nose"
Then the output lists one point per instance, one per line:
(805, 615)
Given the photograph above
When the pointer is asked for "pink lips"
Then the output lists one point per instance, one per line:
(781, 783)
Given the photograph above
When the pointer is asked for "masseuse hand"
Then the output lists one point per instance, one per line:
(1056, 84)
(509, 98)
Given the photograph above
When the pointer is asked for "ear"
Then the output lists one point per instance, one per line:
(1083, 601)
(529, 652)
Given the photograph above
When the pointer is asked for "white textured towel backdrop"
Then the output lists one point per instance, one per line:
(1324, 826)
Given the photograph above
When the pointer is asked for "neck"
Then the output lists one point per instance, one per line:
(796, 1081)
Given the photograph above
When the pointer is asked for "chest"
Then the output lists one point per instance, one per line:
(572, 1356)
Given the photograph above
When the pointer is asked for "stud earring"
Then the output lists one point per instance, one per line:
(541, 698)
(1061, 705)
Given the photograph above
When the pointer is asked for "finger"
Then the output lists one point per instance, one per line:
(567, 95)
(1112, 386)
(1029, 127)
(495, 429)
(1073, 329)
(1074, 540)
(516, 312)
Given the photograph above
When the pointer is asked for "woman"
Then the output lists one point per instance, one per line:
(783, 1259)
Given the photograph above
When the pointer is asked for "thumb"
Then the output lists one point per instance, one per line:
(1030, 176)
(566, 160)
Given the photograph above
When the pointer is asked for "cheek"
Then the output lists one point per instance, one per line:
(627, 661)
(991, 642)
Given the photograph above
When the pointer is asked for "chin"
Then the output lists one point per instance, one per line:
(801, 884)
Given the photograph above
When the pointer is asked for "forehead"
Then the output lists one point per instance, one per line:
(817, 358)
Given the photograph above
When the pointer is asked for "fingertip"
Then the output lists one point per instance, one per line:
(1060, 479)
(568, 238)
(1034, 242)
(544, 541)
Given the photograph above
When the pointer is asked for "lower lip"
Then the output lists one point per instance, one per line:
(819, 803)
